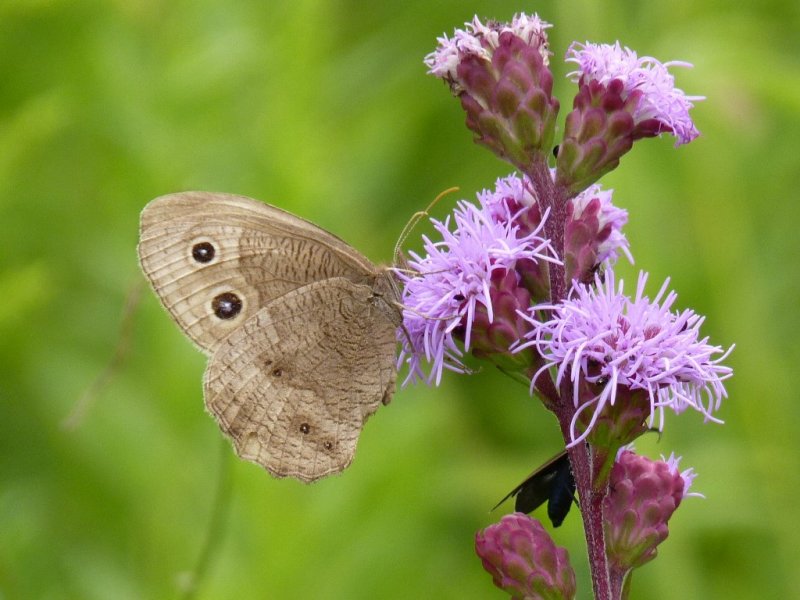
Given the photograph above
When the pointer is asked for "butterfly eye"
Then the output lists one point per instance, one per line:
(226, 306)
(305, 428)
(203, 252)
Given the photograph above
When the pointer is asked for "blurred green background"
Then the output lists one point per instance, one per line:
(323, 107)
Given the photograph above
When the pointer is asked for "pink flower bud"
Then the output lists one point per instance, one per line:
(524, 561)
(644, 494)
(598, 131)
(593, 233)
(621, 98)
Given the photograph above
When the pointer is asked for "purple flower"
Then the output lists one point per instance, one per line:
(610, 221)
(459, 279)
(623, 346)
(480, 40)
(500, 75)
(660, 102)
(688, 475)
(593, 233)
(512, 191)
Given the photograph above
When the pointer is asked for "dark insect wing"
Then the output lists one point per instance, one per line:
(552, 483)
(562, 494)
(535, 488)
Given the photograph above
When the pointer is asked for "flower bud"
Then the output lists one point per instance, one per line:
(644, 494)
(621, 98)
(593, 234)
(500, 73)
(524, 561)
(597, 132)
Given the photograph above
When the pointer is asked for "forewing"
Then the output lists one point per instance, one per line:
(258, 253)
(535, 488)
(293, 386)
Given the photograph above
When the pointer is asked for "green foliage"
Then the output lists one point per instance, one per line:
(324, 108)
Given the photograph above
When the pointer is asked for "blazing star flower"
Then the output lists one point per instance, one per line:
(452, 287)
(620, 345)
(659, 101)
(610, 221)
(499, 73)
(478, 39)
(593, 233)
(509, 192)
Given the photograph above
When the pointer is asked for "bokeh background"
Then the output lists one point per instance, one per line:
(323, 107)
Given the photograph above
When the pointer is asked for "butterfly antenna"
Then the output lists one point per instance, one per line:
(407, 335)
(412, 222)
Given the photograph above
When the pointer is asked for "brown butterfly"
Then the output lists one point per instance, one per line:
(299, 327)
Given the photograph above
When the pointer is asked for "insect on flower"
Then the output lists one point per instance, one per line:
(553, 483)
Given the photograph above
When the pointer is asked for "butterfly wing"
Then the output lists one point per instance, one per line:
(215, 259)
(293, 386)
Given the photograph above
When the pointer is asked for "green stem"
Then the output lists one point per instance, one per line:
(216, 524)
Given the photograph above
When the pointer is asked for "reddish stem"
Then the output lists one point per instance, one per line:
(591, 502)
(606, 583)
(553, 199)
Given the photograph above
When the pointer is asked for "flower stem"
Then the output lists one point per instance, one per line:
(606, 587)
(553, 198)
(621, 582)
(591, 503)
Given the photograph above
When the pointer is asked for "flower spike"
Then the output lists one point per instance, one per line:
(621, 98)
(500, 73)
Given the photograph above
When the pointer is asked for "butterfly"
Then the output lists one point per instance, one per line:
(299, 327)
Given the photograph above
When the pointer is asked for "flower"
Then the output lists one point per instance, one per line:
(593, 233)
(499, 73)
(661, 107)
(524, 561)
(688, 476)
(644, 495)
(509, 193)
(478, 39)
(623, 347)
(466, 288)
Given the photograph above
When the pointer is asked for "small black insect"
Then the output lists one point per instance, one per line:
(553, 483)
